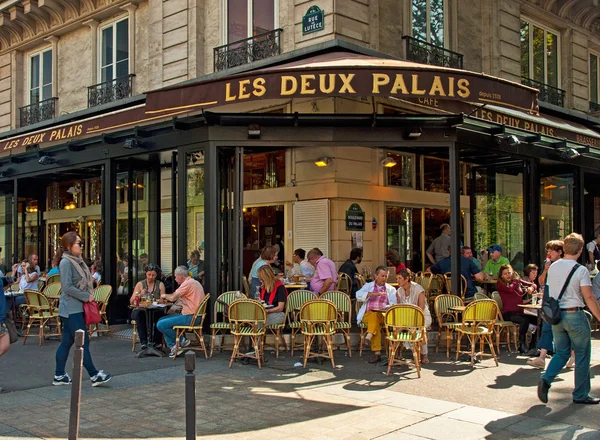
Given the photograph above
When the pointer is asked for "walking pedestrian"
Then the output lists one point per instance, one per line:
(76, 289)
(4, 338)
(573, 330)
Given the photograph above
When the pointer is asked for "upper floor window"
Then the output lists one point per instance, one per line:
(40, 83)
(428, 21)
(539, 54)
(114, 49)
(248, 18)
(594, 79)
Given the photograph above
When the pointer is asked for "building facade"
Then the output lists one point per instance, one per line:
(153, 129)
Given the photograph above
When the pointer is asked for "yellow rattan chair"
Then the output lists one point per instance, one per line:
(41, 313)
(318, 318)
(463, 286)
(52, 292)
(277, 331)
(102, 295)
(247, 318)
(343, 305)
(344, 283)
(446, 318)
(360, 280)
(404, 323)
(477, 324)
(221, 327)
(246, 286)
(52, 279)
(361, 326)
(505, 327)
(294, 303)
(194, 327)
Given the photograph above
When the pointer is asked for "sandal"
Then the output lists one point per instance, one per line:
(424, 360)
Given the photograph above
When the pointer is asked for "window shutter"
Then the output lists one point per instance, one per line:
(311, 225)
(166, 243)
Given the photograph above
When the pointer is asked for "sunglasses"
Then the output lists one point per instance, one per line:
(80, 243)
(152, 267)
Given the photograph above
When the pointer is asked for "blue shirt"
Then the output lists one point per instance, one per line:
(2, 303)
(53, 271)
(257, 265)
(467, 268)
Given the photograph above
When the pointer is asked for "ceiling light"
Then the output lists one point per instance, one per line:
(569, 153)
(132, 143)
(254, 131)
(414, 132)
(323, 161)
(388, 162)
(73, 190)
(46, 160)
(551, 186)
(512, 140)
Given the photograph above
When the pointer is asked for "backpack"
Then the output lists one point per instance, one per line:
(551, 306)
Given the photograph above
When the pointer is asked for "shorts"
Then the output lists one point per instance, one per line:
(3, 329)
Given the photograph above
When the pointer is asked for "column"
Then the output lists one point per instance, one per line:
(130, 8)
(109, 229)
(212, 251)
(93, 24)
(453, 153)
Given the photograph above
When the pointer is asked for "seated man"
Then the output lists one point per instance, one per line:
(495, 262)
(191, 293)
(468, 269)
(375, 295)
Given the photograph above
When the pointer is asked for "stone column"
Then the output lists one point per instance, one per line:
(93, 24)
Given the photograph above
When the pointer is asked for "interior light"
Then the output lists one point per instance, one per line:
(413, 133)
(551, 186)
(323, 161)
(388, 162)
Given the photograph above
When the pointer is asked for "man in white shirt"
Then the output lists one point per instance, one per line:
(573, 331)
(593, 252)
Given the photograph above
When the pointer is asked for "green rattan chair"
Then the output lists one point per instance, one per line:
(318, 318)
(344, 283)
(247, 318)
(404, 323)
(343, 304)
(194, 327)
(102, 295)
(294, 303)
(505, 327)
(41, 313)
(222, 302)
(446, 318)
(52, 279)
(52, 292)
(479, 296)
(477, 324)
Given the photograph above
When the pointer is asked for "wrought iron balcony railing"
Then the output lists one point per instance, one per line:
(110, 91)
(423, 52)
(594, 107)
(246, 51)
(548, 93)
(37, 112)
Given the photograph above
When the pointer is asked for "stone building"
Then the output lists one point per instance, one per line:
(413, 108)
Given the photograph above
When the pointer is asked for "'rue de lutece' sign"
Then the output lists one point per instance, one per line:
(313, 21)
(355, 218)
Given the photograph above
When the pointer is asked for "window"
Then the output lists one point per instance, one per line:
(40, 83)
(114, 49)
(539, 54)
(248, 18)
(428, 19)
(402, 174)
(594, 79)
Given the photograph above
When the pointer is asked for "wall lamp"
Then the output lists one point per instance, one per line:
(511, 140)
(46, 160)
(132, 143)
(388, 162)
(253, 131)
(323, 161)
(569, 153)
(413, 132)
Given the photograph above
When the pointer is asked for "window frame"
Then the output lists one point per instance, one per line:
(30, 57)
(597, 55)
(428, 15)
(413, 171)
(546, 29)
(113, 23)
(249, 19)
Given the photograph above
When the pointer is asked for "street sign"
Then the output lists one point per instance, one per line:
(355, 218)
(313, 21)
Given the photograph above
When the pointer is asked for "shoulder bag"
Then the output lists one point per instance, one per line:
(551, 306)
(13, 334)
(91, 313)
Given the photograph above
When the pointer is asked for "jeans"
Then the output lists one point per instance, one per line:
(572, 332)
(546, 341)
(166, 323)
(16, 300)
(254, 283)
(523, 321)
(69, 326)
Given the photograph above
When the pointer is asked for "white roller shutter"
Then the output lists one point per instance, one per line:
(166, 243)
(311, 225)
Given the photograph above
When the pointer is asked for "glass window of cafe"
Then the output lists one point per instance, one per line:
(556, 208)
(264, 170)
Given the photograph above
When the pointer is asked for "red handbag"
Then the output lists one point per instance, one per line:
(91, 313)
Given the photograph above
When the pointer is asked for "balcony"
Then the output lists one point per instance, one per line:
(423, 52)
(549, 94)
(110, 91)
(37, 112)
(246, 51)
(594, 107)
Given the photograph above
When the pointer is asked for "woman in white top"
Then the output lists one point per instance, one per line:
(29, 277)
(410, 292)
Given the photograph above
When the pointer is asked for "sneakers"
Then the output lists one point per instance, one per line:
(173, 353)
(144, 346)
(536, 363)
(65, 379)
(185, 342)
(101, 378)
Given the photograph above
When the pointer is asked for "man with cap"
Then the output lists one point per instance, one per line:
(496, 260)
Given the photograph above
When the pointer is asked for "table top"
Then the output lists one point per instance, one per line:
(393, 284)
(151, 307)
(458, 308)
(487, 281)
(530, 306)
(296, 286)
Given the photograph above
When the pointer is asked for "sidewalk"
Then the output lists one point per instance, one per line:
(354, 401)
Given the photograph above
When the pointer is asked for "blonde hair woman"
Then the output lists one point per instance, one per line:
(273, 293)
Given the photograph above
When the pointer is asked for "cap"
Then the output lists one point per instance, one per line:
(495, 247)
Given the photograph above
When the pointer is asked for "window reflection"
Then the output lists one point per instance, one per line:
(436, 173)
(428, 21)
(264, 170)
(557, 208)
(401, 174)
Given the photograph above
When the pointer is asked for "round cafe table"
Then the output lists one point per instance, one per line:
(486, 284)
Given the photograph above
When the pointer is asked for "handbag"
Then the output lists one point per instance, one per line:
(13, 335)
(91, 313)
(551, 306)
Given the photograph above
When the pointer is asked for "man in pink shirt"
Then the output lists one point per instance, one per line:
(325, 275)
(191, 294)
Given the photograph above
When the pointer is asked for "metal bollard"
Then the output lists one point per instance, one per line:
(76, 385)
(190, 396)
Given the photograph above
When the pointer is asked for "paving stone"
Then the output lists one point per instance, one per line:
(440, 428)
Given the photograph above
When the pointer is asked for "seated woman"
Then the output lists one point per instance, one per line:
(531, 273)
(150, 287)
(96, 273)
(511, 292)
(410, 292)
(273, 293)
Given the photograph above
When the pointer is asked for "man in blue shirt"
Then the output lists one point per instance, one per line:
(468, 269)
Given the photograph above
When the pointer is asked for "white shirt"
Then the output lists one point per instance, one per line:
(557, 275)
(304, 268)
(24, 285)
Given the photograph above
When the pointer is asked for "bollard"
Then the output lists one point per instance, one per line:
(190, 396)
(76, 385)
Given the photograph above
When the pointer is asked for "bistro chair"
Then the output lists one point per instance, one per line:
(343, 305)
(360, 280)
(362, 327)
(506, 327)
(477, 324)
(277, 331)
(246, 286)
(318, 318)
(447, 319)
(194, 327)
(52, 292)
(40, 313)
(479, 296)
(404, 323)
(40, 285)
(221, 327)
(344, 283)
(294, 303)
(247, 318)
(52, 279)
(102, 296)
(463, 286)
